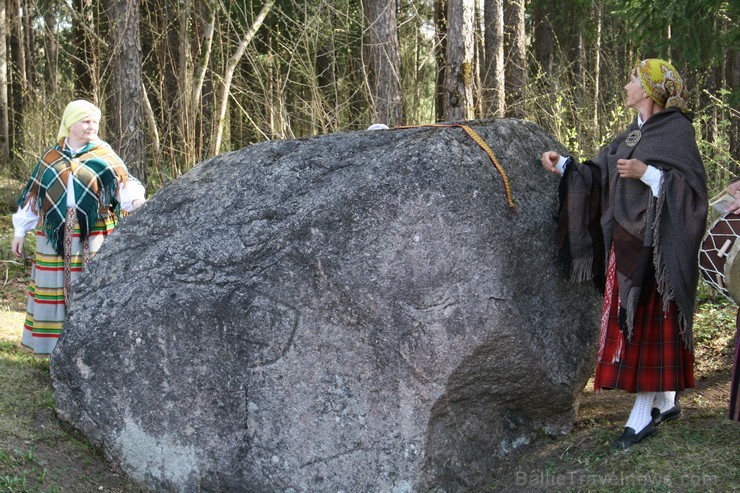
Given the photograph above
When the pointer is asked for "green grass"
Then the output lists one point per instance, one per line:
(694, 454)
(688, 455)
(25, 386)
(37, 453)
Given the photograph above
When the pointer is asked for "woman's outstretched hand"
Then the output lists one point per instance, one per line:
(549, 160)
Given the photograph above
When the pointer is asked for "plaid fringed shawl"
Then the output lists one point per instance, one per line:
(650, 236)
(96, 172)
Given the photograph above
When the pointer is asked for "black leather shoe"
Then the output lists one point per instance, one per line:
(629, 437)
(670, 414)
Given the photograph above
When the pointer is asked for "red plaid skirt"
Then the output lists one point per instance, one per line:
(655, 360)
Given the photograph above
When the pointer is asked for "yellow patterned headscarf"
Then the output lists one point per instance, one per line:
(663, 84)
(74, 112)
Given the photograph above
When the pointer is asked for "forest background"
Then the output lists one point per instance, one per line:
(183, 80)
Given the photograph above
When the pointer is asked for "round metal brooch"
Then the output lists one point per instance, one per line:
(633, 138)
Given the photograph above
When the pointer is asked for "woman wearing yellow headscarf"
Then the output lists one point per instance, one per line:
(632, 219)
(73, 198)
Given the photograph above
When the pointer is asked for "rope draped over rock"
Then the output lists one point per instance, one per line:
(483, 145)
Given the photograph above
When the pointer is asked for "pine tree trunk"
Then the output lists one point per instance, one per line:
(493, 78)
(459, 68)
(383, 61)
(125, 115)
(544, 39)
(440, 56)
(516, 57)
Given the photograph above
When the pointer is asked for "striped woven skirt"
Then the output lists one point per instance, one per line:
(655, 360)
(46, 309)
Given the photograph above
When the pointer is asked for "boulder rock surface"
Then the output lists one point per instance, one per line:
(358, 312)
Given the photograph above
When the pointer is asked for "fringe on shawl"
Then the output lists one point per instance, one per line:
(665, 289)
(588, 262)
(581, 269)
(633, 300)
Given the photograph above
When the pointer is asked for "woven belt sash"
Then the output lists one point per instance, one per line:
(69, 229)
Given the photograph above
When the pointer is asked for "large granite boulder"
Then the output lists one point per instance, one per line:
(358, 312)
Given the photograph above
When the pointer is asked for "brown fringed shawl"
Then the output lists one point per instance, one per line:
(649, 236)
(96, 171)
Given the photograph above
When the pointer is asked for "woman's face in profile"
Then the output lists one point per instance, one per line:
(634, 90)
(85, 130)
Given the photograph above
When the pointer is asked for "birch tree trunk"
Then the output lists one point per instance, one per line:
(223, 99)
(493, 74)
(160, 46)
(206, 22)
(383, 61)
(459, 68)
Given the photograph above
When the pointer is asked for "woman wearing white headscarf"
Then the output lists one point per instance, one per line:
(73, 199)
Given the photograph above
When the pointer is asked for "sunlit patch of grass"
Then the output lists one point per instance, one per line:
(712, 321)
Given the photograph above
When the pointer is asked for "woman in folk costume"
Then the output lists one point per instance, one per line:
(734, 208)
(73, 198)
(632, 219)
